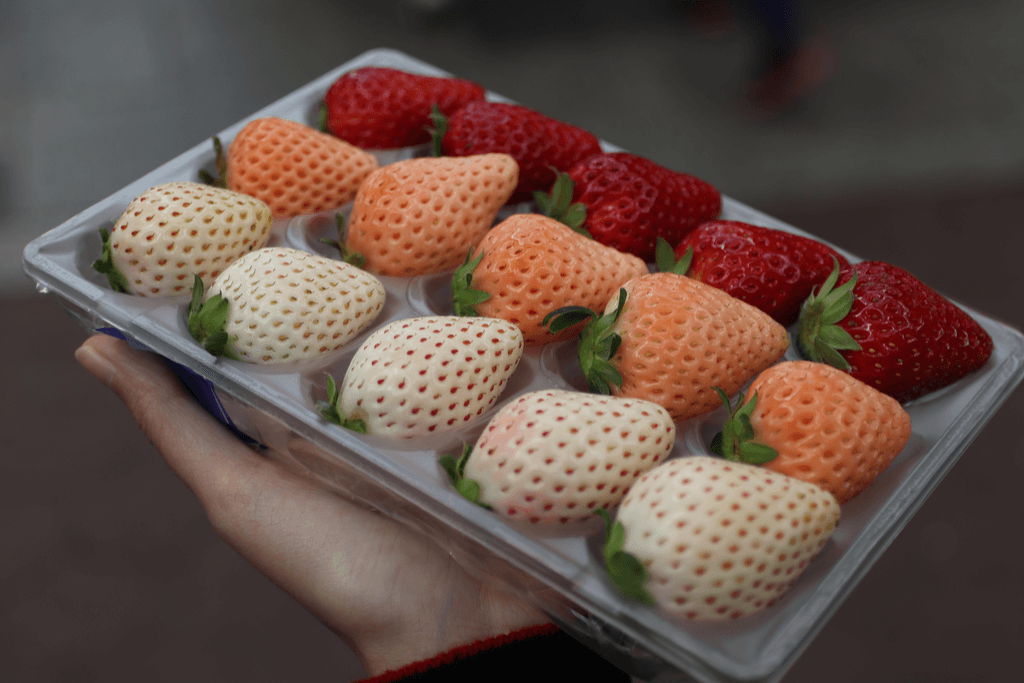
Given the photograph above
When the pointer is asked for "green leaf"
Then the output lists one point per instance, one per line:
(563, 318)
(735, 441)
(558, 203)
(206, 321)
(221, 161)
(439, 129)
(819, 335)
(757, 453)
(625, 571)
(329, 410)
(105, 265)
(321, 118)
(665, 258)
(351, 257)
(465, 297)
(467, 488)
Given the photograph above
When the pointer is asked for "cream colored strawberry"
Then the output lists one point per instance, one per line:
(426, 375)
(717, 540)
(423, 215)
(178, 230)
(279, 305)
(554, 456)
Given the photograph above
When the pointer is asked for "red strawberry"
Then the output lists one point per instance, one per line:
(773, 270)
(537, 142)
(631, 201)
(891, 331)
(382, 108)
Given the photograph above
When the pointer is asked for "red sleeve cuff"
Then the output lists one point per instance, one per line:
(462, 652)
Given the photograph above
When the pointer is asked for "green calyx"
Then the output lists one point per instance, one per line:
(820, 337)
(597, 343)
(665, 258)
(438, 130)
(329, 410)
(321, 119)
(464, 296)
(456, 470)
(105, 265)
(206, 321)
(735, 442)
(558, 203)
(627, 572)
(352, 257)
(221, 179)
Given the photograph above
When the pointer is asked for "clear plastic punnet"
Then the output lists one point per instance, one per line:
(275, 408)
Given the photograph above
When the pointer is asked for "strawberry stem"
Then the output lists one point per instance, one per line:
(221, 179)
(665, 258)
(456, 470)
(558, 203)
(105, 265)
(351, 257)
(627, 572)
(597, 344)
(464, 296)
(206, 321)
(330, 412)
(820, 337)
(439, 129)
(321, 118)
(735, 441)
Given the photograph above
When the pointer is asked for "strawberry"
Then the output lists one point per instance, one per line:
(425, 375)
(672, 340)
(528, 265)
(295, 169)
(423, 215)
(712, 540)
(631, 201)
(554, 456)
(278, 305)
(176, 230)
(773, 270)
(891, 331)
(383, 108)
(538, 143)
(816, 423)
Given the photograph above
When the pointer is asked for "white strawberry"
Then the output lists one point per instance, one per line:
(179, 229)
(425, 375)
(709, 539)
(554, 456)
(278, 305)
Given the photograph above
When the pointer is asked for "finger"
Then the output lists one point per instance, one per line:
(194, 444)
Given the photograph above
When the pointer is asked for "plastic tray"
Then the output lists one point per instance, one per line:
(562, 574)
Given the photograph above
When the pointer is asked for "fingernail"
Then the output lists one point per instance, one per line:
(96, 363)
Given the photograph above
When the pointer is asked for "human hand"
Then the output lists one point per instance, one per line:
(394, 596)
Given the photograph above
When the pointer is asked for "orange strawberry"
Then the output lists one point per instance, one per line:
(671, 340)
(292, 167)
(528, 265)
(423, 215)
(814, 422)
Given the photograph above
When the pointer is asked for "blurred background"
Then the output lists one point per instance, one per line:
(895, 131)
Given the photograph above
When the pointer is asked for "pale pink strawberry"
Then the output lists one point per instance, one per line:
(709, 539)
(425, 375)
(554, 456)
